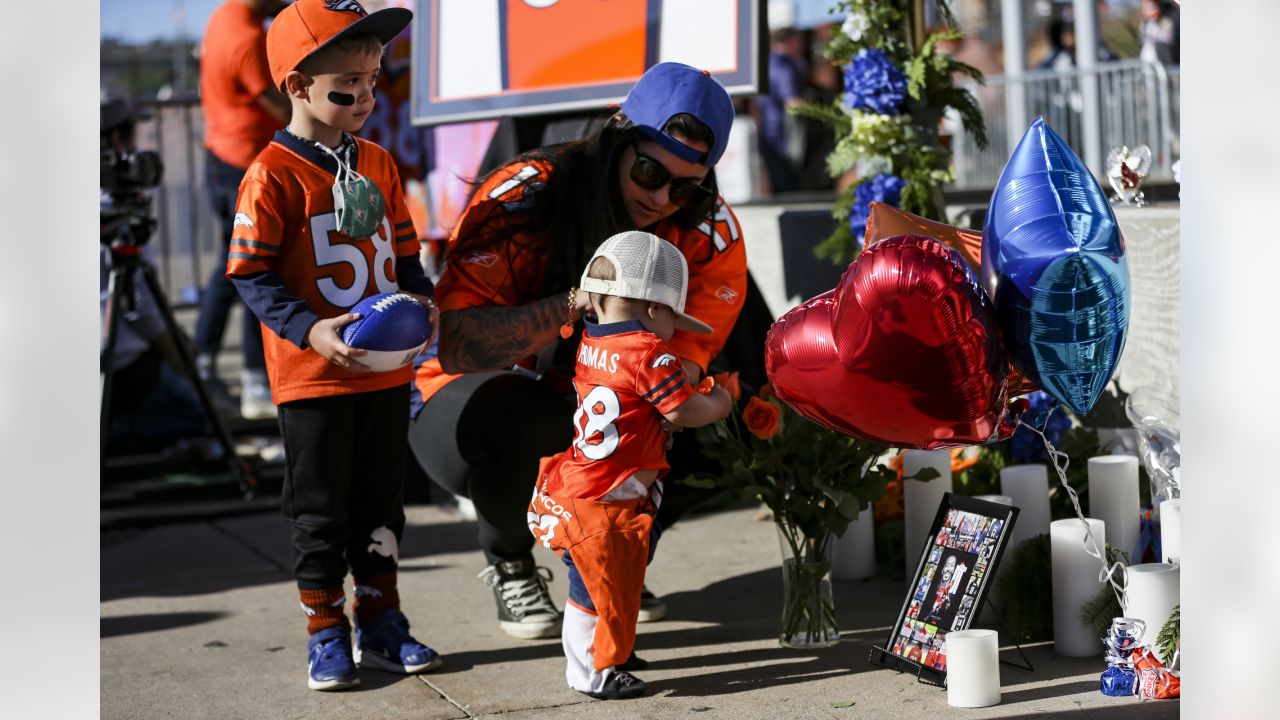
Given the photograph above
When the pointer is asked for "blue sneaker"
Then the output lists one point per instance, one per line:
(329, 665)
(387, 645)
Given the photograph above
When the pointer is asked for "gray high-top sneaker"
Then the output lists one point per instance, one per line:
(525, 609)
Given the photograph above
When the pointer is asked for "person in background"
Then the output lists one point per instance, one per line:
(787, 75)
(1062, 43)
(1161, 32)
(242, 108)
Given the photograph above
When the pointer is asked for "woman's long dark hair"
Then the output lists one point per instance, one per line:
(580, 206)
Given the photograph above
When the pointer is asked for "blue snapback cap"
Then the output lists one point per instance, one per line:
(671, 88)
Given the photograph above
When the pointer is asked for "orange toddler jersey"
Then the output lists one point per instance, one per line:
(510, 273)
(626, 377)
(284, 225)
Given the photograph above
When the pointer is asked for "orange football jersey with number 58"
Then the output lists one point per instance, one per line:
(285, 225)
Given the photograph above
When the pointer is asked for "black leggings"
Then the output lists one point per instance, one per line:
(482, 435)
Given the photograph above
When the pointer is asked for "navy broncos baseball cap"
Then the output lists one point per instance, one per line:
(671, 88)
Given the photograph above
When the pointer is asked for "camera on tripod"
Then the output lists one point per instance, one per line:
(126, 174)
(125, 207)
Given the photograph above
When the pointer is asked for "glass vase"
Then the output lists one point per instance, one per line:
(808, 607)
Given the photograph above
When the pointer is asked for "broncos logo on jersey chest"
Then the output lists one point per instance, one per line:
(345, 6)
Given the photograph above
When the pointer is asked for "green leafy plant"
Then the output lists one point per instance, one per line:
(1170, 638)
(1026, 591)
(983, 477)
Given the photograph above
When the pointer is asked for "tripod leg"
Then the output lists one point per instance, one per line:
(114, 304)
(239, 469)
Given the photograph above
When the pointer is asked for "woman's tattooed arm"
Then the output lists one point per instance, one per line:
(477, 339)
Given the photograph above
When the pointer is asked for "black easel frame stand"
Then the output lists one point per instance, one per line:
(932, 676)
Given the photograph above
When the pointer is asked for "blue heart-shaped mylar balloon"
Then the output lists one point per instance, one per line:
(1054, 265)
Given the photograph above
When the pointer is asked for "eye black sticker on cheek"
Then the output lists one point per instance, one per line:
(338, 98)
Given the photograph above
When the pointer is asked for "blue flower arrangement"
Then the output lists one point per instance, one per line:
(872, 82)
(885, 188)
(1026, 446)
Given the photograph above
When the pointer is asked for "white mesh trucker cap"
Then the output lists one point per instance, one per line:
(647, 268)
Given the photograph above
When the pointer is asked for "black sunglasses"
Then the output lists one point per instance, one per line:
(651, 175)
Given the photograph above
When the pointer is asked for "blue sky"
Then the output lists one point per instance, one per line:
(143, 20)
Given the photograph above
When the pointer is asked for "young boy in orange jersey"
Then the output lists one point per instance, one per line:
(594, 503)
(321, 224)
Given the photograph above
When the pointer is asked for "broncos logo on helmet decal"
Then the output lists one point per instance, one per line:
(345, 6)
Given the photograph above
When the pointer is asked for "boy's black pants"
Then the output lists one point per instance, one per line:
(344, 480)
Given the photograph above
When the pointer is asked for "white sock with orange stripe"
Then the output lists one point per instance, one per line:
(576, 635)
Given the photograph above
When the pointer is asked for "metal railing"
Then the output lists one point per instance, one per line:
(1139, 106)
(183, 248)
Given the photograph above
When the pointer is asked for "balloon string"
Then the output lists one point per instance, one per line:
(1109, 571)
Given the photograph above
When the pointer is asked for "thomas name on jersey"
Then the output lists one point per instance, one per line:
(597, 358)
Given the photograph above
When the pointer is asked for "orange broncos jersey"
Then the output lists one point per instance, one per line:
(714, 250)
(626, 378)
(284, 224)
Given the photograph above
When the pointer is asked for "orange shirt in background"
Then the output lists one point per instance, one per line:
(233, 73)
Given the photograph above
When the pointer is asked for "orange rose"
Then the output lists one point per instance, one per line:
(766, 392)
(706, 386)
(960, 462)
(729, 381)
(761, 417)
(889, 506)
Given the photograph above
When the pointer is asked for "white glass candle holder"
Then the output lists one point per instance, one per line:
(1151, 594)
(920, 499)
(1028, 487)
(853, 555)
(1113, 498)
(1171, 531)
(998, 499)
(973, 668)
(1075, 582)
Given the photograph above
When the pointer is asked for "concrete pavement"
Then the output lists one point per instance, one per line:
(201, 620)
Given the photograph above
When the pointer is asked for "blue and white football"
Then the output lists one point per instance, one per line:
(393, 328)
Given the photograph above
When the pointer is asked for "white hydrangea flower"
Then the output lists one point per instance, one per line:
(855, 25)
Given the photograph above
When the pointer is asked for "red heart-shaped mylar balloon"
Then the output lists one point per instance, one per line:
(903, 351)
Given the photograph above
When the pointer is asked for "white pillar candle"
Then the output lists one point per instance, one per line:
(1113, 498)
(853, 556)
(920, 499)
(973, 668)
(1028, 487)
(999, 499)
(1151, 595)
(1075, 582)
(1171, 531)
